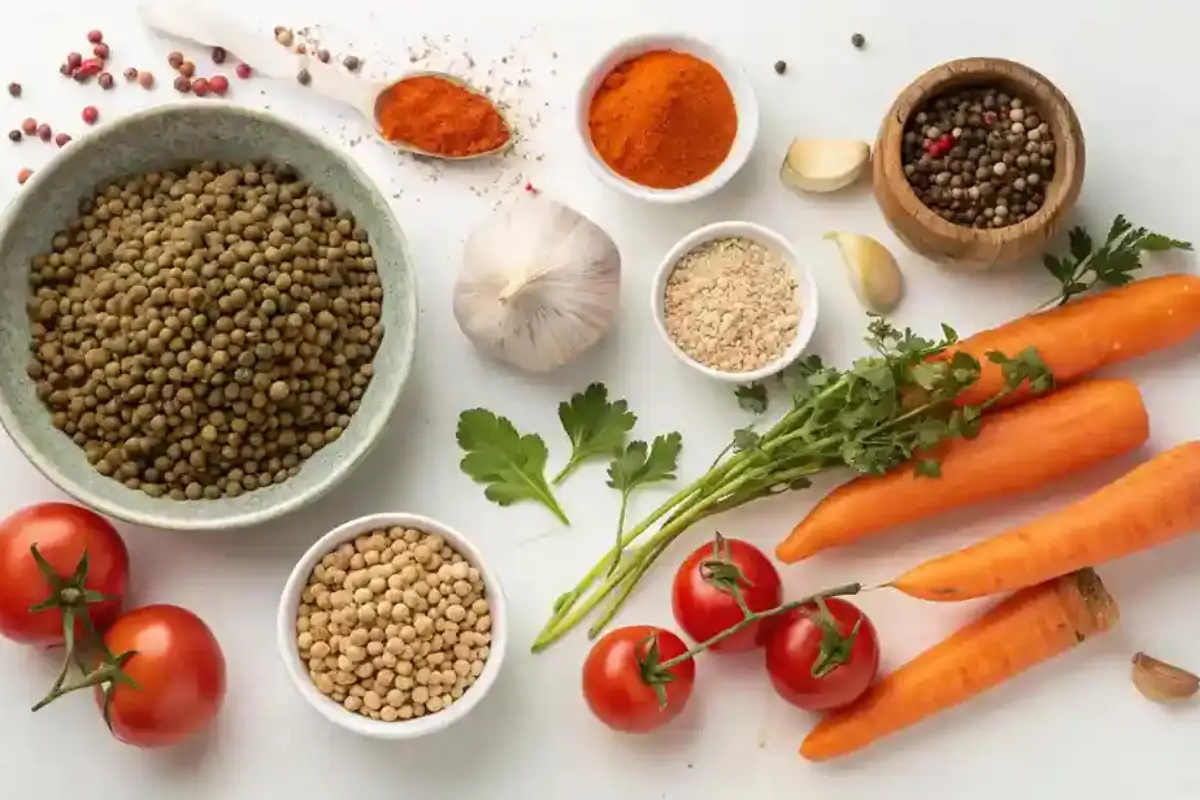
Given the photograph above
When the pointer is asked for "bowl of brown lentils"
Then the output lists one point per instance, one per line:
(392, 626)
(978, 163)
(211, 314)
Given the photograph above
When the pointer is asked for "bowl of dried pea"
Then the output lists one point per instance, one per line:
(392, 626)
(211, 314)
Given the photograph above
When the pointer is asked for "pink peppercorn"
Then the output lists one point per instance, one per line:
(243, 71)
(90, 67)
(29, 126)
(74, 60)
(25, 174)
(131, 73)
(105, 79)
(183, 84)
(14, 89)
(62, 139)
(65, 69)
(219, 84)
(200, 87)
(90, 115)
(95, 36)
(218, 55)
(44, 133)
(145, 79)
(100, 51)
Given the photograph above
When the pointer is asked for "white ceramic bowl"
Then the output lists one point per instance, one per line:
(743, 98)
(806, 291)
(414, 728)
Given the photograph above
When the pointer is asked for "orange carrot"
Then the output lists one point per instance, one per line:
(1017, 450)
(1024, 630)
(1099, 330)
(1155, 503)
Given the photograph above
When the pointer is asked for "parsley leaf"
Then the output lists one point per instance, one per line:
(595, 426)
(511, 465)
(752, 397)
(638, 465)
(1113, 264)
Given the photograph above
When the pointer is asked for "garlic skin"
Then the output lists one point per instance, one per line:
(874, 273)
(824, 165)
(1161, 682)
(539, 284)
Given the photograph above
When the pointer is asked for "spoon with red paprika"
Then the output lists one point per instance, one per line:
(428, 114)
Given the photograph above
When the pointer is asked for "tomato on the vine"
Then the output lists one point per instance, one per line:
(822, 658)
(80, 562)
(703, 599)
(624, 682)
(174, 676)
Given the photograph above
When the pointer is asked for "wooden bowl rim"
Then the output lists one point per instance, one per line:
(1068, 141)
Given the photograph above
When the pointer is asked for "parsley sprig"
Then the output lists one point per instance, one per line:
(641, 464)
(595, 426)
(511, 465)
(886, 409)
(1112, 264)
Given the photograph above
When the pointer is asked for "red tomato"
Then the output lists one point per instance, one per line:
(63, 532)
(703, 609)
(613, 683)
(179, 671)
(817, 669)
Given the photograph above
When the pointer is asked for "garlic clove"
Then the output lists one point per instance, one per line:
(823, 165)
(1163, 682)
(873, 271)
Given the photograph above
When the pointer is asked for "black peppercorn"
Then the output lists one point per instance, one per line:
(780, 67)
(858, 40)
(14, 135)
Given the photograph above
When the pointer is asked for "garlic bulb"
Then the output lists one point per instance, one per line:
(823, 165)
(873, 270)
(539, 284)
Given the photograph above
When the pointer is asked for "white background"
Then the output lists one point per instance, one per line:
(1072, 728)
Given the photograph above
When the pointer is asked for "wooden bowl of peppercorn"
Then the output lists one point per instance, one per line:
(978, 163)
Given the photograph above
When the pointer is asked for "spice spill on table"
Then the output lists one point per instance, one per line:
(731, 305)
(664, 119)
(981, 157)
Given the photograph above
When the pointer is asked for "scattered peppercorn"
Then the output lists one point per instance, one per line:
(101, 51)
(200, 87)
(25, 174)
(145, 79)
(187, 69)
(301, 48)
(219, 84)
(14, 89)
(89, 67)
(175, 59)
(131, 74)
(858, 40)
(62, 139)
(29, 126)
(95, 37)
(352, 63)
(44, 133)
(15, 135)
(243, 71)
(218, 55)
(105, 79)
(322, 55)
(74, 60)
(183, 84)
(979, 157)
(780, 67)
(304, 77)
(65, 69)
(284, 36)
(90, 115)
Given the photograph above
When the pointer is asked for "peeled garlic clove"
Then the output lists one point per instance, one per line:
(823, 165)
(873, 270)
(1163, 682)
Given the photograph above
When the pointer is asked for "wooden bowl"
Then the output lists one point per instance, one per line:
(959, 246)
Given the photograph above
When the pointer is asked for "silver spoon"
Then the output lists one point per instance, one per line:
(204, 26)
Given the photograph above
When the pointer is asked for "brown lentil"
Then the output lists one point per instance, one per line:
(979, 157)
(200, 332)
(731, 305)
(395, 624)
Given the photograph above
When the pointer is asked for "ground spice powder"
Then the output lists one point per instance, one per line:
(439, 117)
(663, 120)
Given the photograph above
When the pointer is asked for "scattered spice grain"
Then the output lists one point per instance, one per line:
(858, 40)
(14, 89)
(65, 69)
(979, 157)
(25, 174)
(15, 135)
(95, 36)
(439, 116)
(101, 51)
(218, 55)
(89, 68)
(131, 73)
(243, 71)
(187, 69)
(145, 79)
(663, 120)
(200, 87)
(731, 305)
(62, 139)
(352, 63)
(219, 84)
(394, 625)
(175, 59)
(105, 79)
(74, 61)
(183, 84)
(90, 114)
(322, 55)
(780, 67)
(304, 77)
(29, 126)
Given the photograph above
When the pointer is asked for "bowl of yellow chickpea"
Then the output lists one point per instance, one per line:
(392, 626)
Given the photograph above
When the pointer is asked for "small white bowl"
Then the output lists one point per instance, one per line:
(743, 98)
(806, 291)
(289, 604)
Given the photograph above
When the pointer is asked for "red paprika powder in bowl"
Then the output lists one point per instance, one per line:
(666, 118)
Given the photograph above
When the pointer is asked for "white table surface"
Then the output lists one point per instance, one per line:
(1072, 728)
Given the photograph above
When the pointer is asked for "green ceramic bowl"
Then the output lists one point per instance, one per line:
(156, 139)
